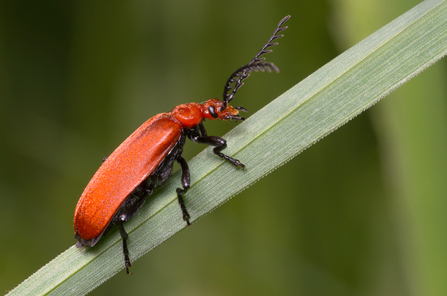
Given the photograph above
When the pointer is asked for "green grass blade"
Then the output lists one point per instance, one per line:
(318, 105)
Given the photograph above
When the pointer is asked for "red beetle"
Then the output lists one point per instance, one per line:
(144, 160)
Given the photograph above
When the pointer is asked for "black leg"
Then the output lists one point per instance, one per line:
(220, 145)
(125, 250)
(186, 183)
(200, 136)
(202, 129)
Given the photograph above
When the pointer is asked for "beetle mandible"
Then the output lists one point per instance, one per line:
(144, 160)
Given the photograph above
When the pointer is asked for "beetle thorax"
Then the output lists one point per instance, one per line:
(188, 115)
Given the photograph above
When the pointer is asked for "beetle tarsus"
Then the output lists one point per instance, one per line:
(185, 213)
(126, 257)
(233, 161)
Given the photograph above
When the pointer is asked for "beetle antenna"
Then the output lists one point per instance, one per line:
(256, 65)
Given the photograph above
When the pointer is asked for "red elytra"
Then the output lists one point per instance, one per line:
(144, 160)
(122, 172)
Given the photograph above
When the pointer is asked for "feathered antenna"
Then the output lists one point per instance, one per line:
(255, 65)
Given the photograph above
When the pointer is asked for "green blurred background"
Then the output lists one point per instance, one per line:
(362, 212)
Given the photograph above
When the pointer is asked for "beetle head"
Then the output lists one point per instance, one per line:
(212, 109)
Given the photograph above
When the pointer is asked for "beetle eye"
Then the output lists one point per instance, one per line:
(213, 112)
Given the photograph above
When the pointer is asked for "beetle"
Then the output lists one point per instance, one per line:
(144, 160)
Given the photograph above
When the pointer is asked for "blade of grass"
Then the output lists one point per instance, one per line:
(318, 105)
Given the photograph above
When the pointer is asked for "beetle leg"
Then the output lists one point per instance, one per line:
(186, 183)
(124, 236)
(200, 136)
(220, 144)
(202, 130)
